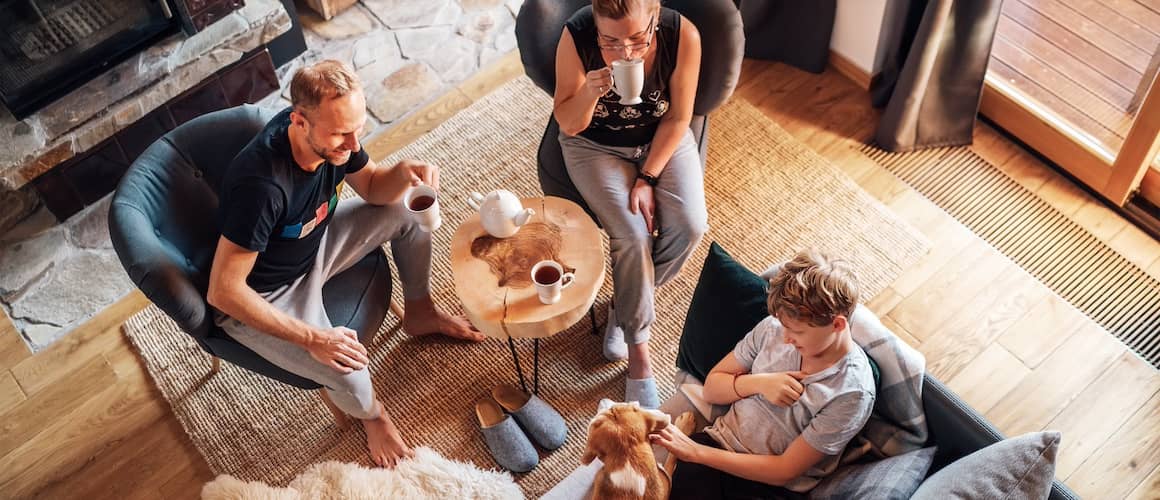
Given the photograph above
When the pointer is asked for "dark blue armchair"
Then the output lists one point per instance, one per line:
(538, 29)
(162, 224)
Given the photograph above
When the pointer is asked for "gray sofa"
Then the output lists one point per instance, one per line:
(958, 430)
(954, 428)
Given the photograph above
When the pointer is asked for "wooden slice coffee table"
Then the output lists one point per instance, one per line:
(493, 276)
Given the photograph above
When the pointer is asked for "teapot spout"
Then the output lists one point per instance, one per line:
(523, 217)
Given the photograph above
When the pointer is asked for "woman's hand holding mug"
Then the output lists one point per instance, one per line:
(598, 81)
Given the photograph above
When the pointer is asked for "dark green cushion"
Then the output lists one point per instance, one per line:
(728, 302)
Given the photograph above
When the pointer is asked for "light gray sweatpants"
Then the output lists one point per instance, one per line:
(356, 228)
(604, 175)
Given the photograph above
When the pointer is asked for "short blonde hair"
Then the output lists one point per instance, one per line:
(620, 9)
(813, 287)
(324, 80)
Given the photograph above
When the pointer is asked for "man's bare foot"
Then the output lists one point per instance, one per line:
(384, 441)
(422, 318)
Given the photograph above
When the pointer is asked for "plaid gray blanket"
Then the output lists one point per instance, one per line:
(898, 424)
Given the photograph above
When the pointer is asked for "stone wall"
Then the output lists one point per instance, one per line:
(407, 52)
(54, 276)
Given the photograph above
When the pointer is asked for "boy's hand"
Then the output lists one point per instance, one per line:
(782, 388)
(681, 446)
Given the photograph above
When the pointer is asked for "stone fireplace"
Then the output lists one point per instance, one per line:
(58, 163)
(48, 47)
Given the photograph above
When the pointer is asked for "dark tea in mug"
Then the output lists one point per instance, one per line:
(421, 203)
(547, 275)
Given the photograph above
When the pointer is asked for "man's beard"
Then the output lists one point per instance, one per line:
(326, 154)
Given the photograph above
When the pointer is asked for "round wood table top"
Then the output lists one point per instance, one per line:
(493, 275)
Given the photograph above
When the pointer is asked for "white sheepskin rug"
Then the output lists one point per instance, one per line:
(428, 475)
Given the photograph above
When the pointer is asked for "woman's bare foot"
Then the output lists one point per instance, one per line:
(422, 318)
(384, 442)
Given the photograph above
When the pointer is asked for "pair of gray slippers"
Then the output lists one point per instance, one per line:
(509, 417)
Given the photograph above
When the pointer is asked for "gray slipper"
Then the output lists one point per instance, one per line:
(543, 423)
(506, 442)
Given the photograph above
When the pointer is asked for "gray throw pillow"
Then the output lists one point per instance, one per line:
(1019, 467)
(887, 479)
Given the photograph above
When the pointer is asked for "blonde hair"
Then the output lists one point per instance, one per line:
(324, 80)
(620, 9)
(813, 287)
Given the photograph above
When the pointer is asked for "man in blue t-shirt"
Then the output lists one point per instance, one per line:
(284, 234)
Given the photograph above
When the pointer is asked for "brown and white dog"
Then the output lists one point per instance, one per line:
(618, 436)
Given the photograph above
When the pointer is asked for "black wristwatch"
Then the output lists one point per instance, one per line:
(652, 181)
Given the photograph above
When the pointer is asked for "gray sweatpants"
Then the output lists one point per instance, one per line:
(604, 175)
(356, 228)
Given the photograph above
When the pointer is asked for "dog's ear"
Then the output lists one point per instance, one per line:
(593, 448)
(588, 456)
(656, 420)
(603, 405)
(590, 453)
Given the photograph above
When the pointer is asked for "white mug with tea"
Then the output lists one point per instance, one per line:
(550, 280)
(628, 80)
(423, 202)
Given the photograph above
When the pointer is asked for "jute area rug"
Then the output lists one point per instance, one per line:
(768, 194)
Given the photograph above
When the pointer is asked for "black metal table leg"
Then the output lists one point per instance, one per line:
(536, 368)
(516, 357)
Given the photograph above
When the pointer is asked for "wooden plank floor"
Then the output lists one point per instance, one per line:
(1080, 59)
(83, 420)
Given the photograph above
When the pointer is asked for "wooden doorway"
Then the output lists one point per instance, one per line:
(1076, 80)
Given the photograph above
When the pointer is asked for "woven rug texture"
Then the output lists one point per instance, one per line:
(768, 195)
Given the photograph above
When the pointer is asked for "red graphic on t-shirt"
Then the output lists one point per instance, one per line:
(323, 210)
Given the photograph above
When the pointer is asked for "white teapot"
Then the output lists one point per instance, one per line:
(501, 212)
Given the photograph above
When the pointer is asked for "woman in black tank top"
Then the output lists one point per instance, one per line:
(636, 165)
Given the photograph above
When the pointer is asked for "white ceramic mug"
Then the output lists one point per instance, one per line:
(554, 273)
(628, 80)
(423, 202)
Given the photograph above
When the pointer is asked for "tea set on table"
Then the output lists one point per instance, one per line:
(501, 212)
(502, 215)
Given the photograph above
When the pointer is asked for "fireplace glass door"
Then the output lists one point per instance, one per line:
(48, 47)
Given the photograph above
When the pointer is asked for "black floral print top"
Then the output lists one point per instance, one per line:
(614, 124)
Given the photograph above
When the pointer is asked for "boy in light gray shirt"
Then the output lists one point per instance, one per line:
(799, 390)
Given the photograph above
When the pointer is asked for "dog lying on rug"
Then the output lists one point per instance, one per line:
(618, 436)
(428, 475)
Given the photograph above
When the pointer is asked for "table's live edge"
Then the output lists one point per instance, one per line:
(496, 323)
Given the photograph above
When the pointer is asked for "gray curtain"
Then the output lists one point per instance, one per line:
(796, 32)
(932, 78)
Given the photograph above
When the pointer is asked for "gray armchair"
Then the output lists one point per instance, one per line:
(538, 29)
(163, 226)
